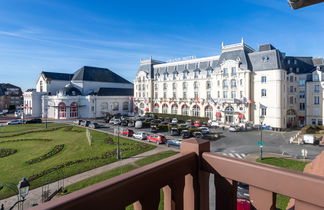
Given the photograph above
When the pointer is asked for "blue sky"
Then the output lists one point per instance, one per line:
(64, 35)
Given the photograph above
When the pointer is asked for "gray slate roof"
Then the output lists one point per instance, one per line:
(95, 74)
(115, 92)
(4, 86)
(305, 64)
(57, 76)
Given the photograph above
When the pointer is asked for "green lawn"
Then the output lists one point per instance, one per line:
(121, 170)
(34, 141)
(282, 201)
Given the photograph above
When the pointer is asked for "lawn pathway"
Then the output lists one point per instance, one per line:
(35, 195)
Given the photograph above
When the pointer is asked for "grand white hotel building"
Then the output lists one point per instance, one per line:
(239, 85)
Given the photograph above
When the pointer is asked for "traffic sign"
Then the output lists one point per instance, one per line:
(260, 143)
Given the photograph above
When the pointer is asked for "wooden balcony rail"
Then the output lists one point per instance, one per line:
(184, 179)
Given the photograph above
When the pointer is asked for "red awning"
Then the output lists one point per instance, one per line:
(241, 116)
(301, 118)
(147, 109)
(218, 114)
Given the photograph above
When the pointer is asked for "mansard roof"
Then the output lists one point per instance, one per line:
(57, 76)
(299, 65)
(95, 74)
(115, 92)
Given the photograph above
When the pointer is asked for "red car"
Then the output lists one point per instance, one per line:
(127, 132)
(158, 139)
(197, 124)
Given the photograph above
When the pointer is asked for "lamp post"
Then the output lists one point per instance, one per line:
(261, 140)
(22, 191)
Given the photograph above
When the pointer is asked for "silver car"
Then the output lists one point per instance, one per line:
(140, 135)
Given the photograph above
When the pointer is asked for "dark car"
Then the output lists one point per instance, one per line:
(176, 142)
(174, 132)
(185, 134)
(124, 123)
(94, 125)
(32, 121)
(197, 135)
(85, 123)
(154, 129)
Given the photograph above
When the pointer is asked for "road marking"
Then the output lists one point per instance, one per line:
(235, 155)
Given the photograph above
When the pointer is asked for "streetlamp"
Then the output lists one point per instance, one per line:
(22, 192)
(261, 140)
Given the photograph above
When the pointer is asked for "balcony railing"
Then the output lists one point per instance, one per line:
(184, 179)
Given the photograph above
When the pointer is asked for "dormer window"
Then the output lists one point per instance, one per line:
(297, 70)
(288, 62)
(165, 76)
(233, 72)
(175, 74)
(197, 72)
(295, 62)
(185, 74)
(208, 73)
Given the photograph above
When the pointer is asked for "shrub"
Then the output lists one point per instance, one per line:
(7, 152)
(19, 140)
(54, 151)
(179, 117)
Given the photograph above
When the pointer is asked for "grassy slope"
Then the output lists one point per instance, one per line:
(121, 170)
(13, 167)
(282, 201)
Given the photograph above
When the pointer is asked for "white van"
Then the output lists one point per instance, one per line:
(309, 139)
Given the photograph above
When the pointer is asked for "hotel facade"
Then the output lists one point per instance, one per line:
(239, 85)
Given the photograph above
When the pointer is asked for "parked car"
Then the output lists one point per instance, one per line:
(94, 125)
(158, 139)
(124, 123)
(127, 132)
(204, 130)
(197, 135)
(185, 134)
(189, 122)
(140, 135)
(174, 132)
(14, 122)
(243, 191)
(174, 121)
(77, 122)
(156, 121)
(234, 128)
(214, 123)
(35, 120)
(131, 124)
(154, 129)
(138, 124)
(197, 124)
(117, 122)
(85, 123)
(175, 142)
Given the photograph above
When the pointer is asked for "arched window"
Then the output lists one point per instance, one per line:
(74, 110)
(115, 106)
(62, 110)
(156, 108)
(209, 112)
(195, 111)
(174, 109)
(125, 106)
(185, 110)
(142, 105)
(165, 109)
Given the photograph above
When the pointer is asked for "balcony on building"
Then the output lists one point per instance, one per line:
(185, 181)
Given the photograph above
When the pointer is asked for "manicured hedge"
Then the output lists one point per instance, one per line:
(312, 129)
(7, 152)
(105, 155)
(32, 131)
(179, 117)
(54, 151)
(19, 140)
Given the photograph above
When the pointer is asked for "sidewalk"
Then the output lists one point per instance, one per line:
(253, 157)
(35, 195)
